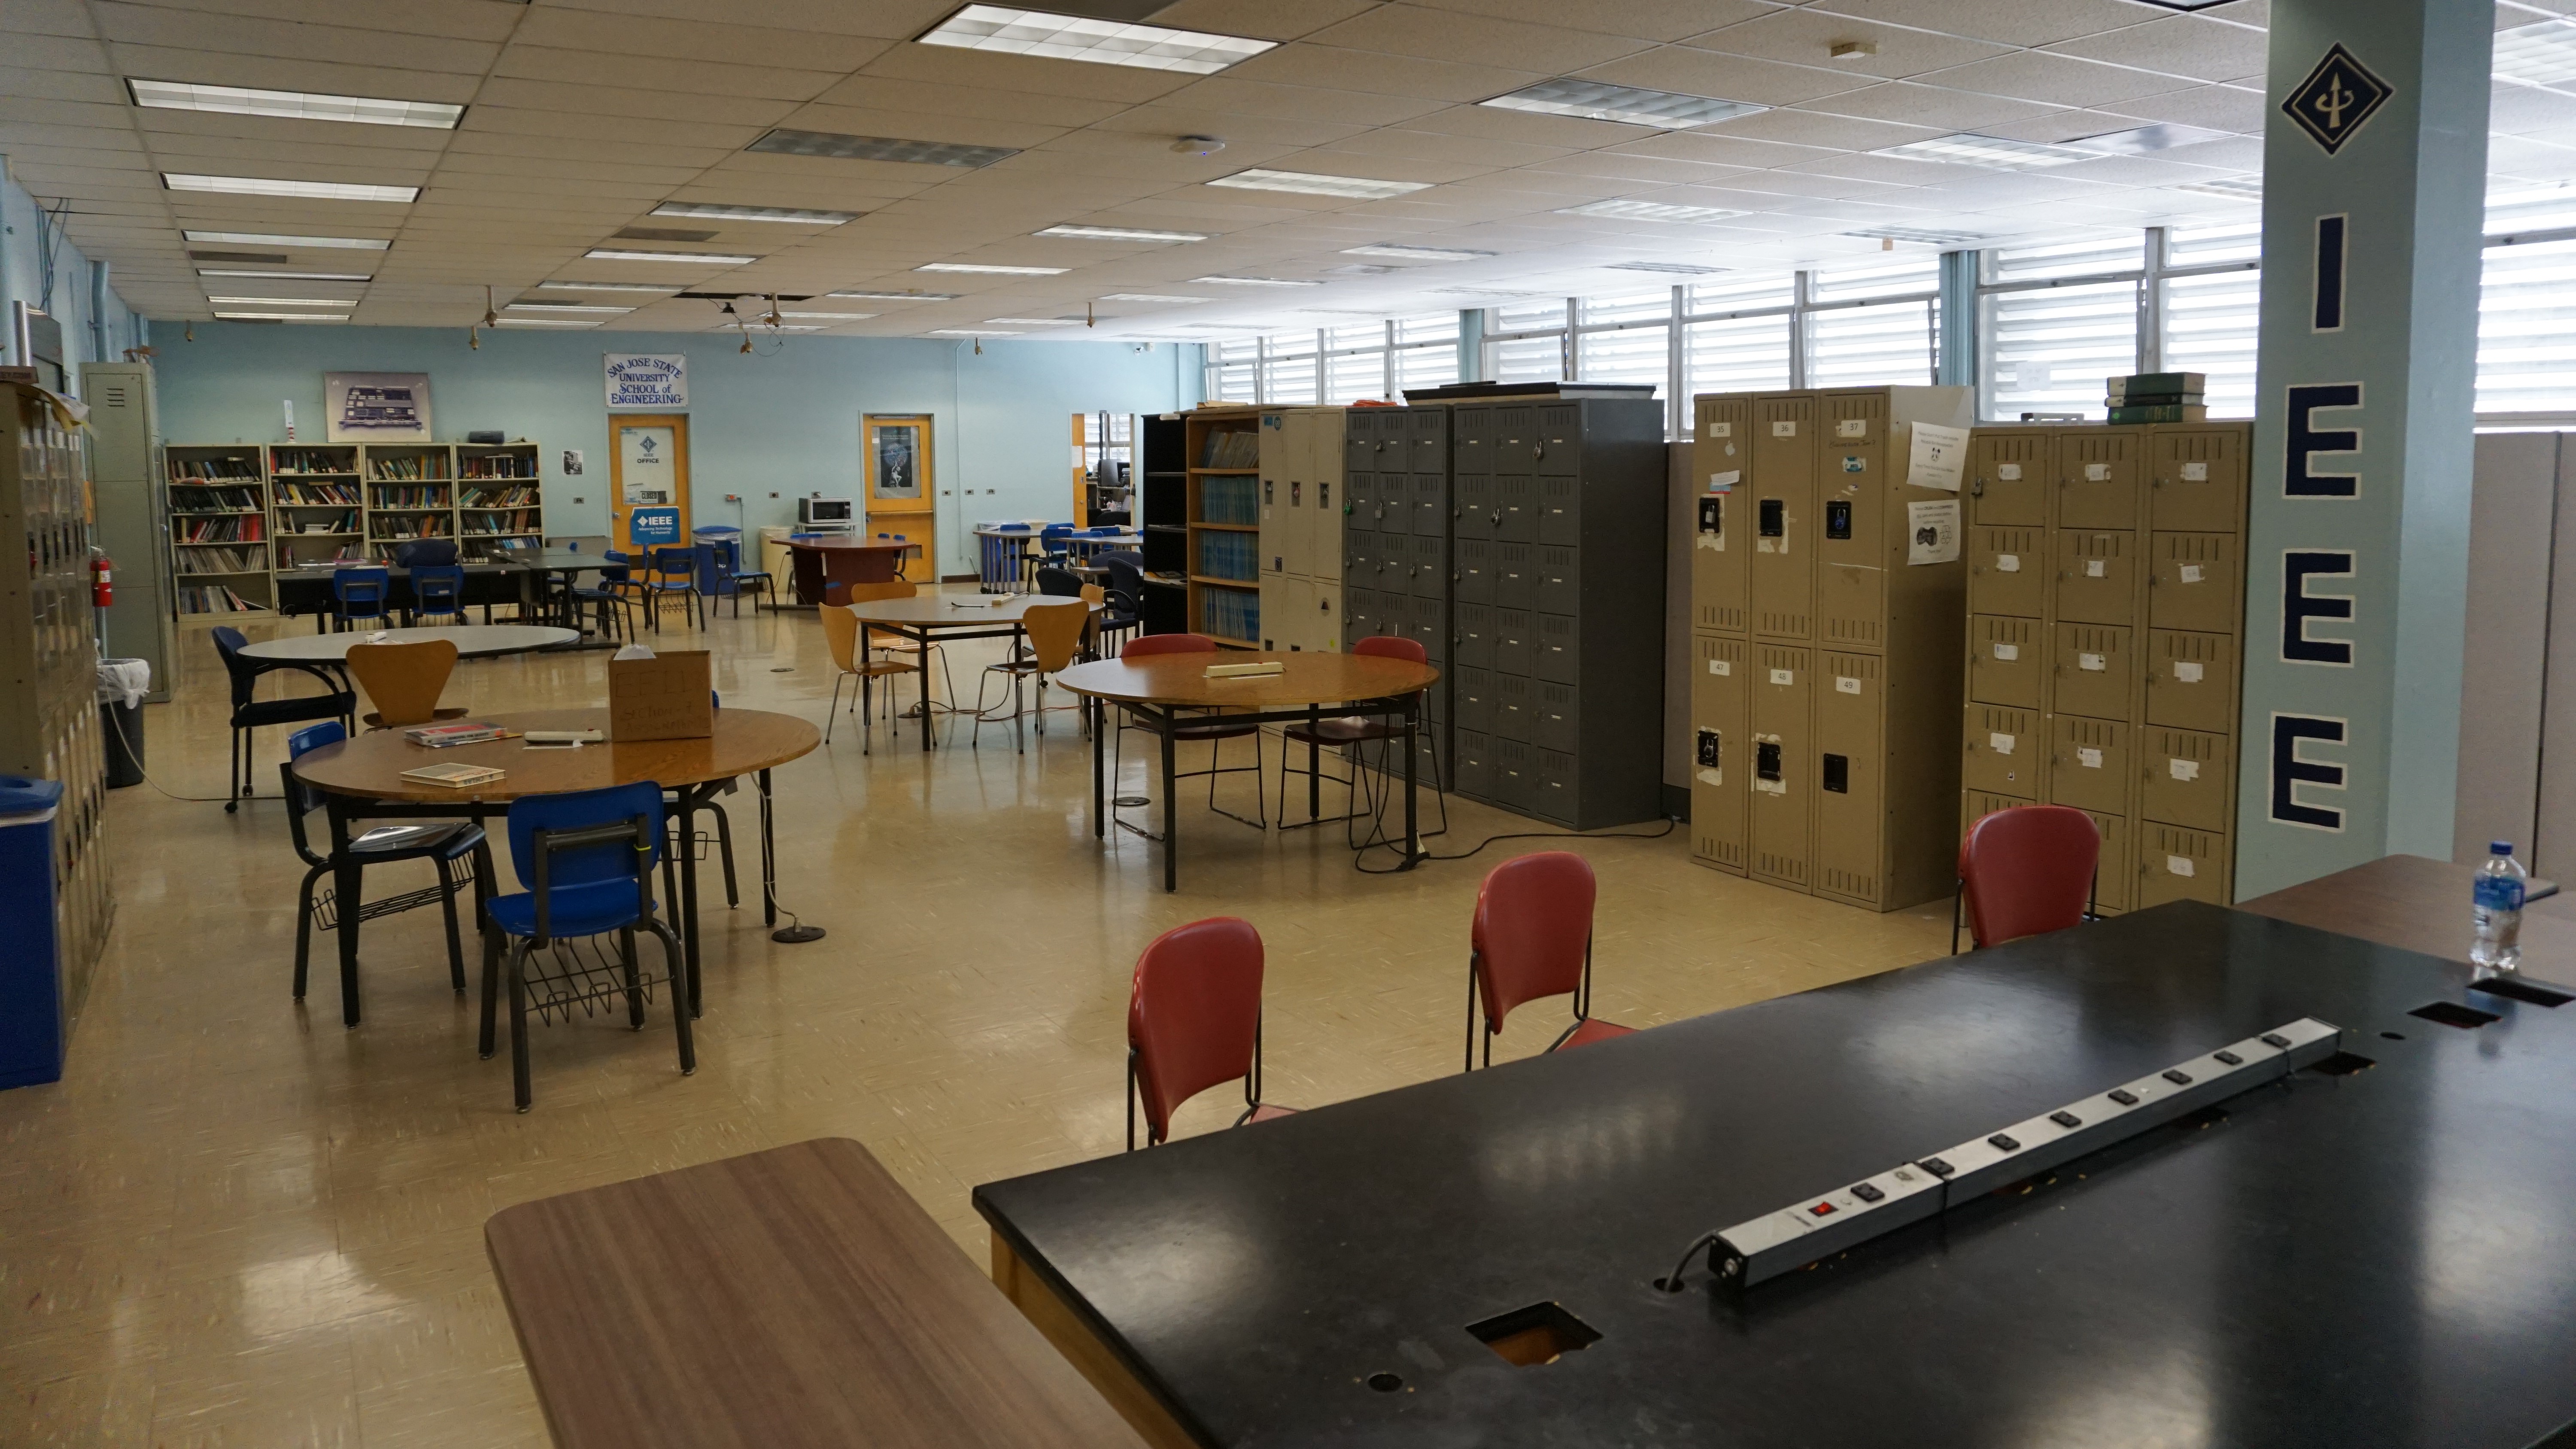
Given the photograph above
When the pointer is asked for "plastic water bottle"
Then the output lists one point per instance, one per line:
(2496, 910)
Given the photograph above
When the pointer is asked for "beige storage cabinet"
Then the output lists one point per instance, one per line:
(1302, 509)
(1825, 684)
(2137, 534)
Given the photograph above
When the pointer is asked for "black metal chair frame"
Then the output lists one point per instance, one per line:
(1216, 732)
(244, 676)
(463, 844)
(1475, 1008)
(1366, 801)
(657, 586)
(1251, 1092)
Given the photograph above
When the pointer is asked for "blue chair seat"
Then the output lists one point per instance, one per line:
(579, 910)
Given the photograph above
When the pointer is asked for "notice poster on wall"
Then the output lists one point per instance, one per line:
(647, 382)
(1937, 457)
(1932, 532)
(375, 407)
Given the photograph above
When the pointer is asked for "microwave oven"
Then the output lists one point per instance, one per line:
(824, 510)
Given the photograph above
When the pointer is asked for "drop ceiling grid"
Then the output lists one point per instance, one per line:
(1376, 90)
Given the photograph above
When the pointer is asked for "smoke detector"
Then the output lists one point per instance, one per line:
(1198, 145)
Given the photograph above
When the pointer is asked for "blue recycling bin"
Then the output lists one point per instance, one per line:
(31, 970)
(719, 559)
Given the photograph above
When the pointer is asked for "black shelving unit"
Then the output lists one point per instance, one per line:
(1163, 495)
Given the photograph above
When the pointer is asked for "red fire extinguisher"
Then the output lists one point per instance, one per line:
(102, 589)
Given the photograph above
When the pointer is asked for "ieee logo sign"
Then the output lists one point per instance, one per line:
(654, 527)
(2335, 99)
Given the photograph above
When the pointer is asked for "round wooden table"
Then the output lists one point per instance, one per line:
(1164, 690)
(472, 641)
(362, 778)
(923, 618)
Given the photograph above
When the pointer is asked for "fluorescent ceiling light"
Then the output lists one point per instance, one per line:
(893, 296)
(282, 316)
(1923, 235)
(604, 287)
(263, 239)
(706, 259)
(2536, 55)
(1252, 282)
(838, 147)
(1678, 269)
(548, 322)
(1647, 211)
(1102, 42)
(831, 316)
(1120, 233)
(290, 276)
(967, 332)
(292, 105)
(710, 211)
(2140, 140)
(996, 270)
(1309, 183)
(564, 307)
(311, 190)
(1415, 254)
(1598, 101)
(1995, 153)
(2234, 188)
(284, 301)
(1151, 297)
(1032, 321)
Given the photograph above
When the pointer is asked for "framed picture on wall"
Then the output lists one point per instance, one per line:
(376, 407)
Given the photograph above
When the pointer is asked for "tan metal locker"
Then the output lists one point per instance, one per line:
(1721, 539)
(2097, 576)
(1851, 530)
(1975, 805)
(2088, 763)
(1275, 623)
(2007, 572)
(2113, 880)
(1296, 627)
(2009, 473)
(1721, 759)
(1851, 757)
(2191, 680)
(1327, 450)
(1300, 542)
(1327, 617)
(2198, 479)
(1778, 828)
(2196, 582)
(2007, 660)
(2001, 751)
(2090, 671)
(1783, 565)
(2097, 477)
(2186, 778)
(2180, 864)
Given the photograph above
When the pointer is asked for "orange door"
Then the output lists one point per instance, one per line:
(648, 468)
(900, 495)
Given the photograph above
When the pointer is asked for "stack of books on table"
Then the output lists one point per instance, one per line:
(2157, 397)
(460, 777)
(458, 732)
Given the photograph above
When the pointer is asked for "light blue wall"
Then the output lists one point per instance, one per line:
(784, 420)
(22, 280)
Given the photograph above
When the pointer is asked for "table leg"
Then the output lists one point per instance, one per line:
(1171, 817)
(1314, 769)
(768, 858)
(923, 637)
(688, 902)
(1412, 752)
(1099, 716)
(347, 889)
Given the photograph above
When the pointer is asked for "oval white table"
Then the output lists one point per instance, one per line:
(472, 641)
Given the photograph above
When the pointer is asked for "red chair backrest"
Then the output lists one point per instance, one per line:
(2027, 869)
(1533, 922)
(1144, 644)
(1393, 646)
(1196, 1011)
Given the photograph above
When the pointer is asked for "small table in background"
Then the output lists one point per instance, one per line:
(2417, 903)
(819, 562)
(927, 619)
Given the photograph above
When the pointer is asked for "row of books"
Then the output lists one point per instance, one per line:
(410, 525)
(526, 521)
(215, 599)
(337, 523)
(416, 465)
(2157, 397)
(215, 500)
(293, 494)
(236, 528)
(499, 497)
(500, 465)
(1233, 448)
(313, 460)
(250, 560)
(1230, 556)
(305, 553)
(1230, 613)
(1229, 500)
(185, 470)
(409, 498)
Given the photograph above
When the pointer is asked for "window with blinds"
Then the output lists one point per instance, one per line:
(1869, 346)
(1289, 372)
(2527, 306)
(1738, 354)
(2048, 350)
(1231, 370)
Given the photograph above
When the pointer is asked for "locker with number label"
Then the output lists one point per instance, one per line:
(1719, 757)
(1780, 824)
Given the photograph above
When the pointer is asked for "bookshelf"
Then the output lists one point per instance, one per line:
(219, 535)
(1224, 525)
(1162, 457)
(316, 503)
(498, 492)
(411, 494)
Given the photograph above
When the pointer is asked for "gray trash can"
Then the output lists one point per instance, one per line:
(122, 683)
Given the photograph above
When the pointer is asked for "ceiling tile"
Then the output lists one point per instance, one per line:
(1806, 37)
(2035, 75)
(679, 77)
(1252, 97)
(2191, 45)
(200, 31)
(897, 96)
(1358, 70)
(1420, 31)
(886, 19)
(1174, 121)
(1815, 128)
(1728, 77)
(2219, 108)
(730, 42)
(912, 126)
(599, 101)
(2007, 22)
(288, 74)
(1644, 19)
(1260, 19)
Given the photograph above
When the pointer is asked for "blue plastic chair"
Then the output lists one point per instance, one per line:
(672, 571)
(438, 592)
(587, 859)
(359, 594)
(447, 843)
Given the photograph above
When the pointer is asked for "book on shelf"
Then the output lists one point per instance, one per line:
(411, 467)
(313, 460)
(2139, 386)
(249, 560)
(458, 732)
(315, 495)
(215, 599)
(1232, 448)
(214, 470)
(237, 528)
(499, 498)
(455, 777)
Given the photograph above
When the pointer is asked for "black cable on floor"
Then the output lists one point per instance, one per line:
(1360, 855)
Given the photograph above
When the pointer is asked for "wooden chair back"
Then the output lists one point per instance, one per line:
(1055, 631)
(403, 681)
(888, 589)
(841, 632)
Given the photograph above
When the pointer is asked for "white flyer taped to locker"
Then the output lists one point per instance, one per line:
(2186, 672)
(2183, 769)
(1724, 482)
(2000, 744)
(1845, 684)
(2091, 663)
(2178, 865)
(2095, 568)
(2191, 573)
(2007, 563)
(1932, 531)
(2007, 472)
(2195, 472)
(2007, 653)
(2089, 759)
(1937, 457)
(1720, 666)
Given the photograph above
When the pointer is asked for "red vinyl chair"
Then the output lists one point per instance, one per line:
(1194, 1021)
(2023, 870)
(1334, 734)
(1215, 731)
(1533, 938)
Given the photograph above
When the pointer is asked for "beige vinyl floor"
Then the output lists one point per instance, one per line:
(235, 1223)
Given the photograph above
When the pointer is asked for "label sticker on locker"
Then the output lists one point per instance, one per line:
(2191, 473)
(2089, 759)
(2092, 662)
(1784, 429)
(1721, 666)
(1721, 430)
(2007, 563)
(2097, 472)
(2007, 653)
(2186, 672)
(1845, 684)
(1724, 482)
(1784, 676)
(2191, 573)
(1851, 427)
(2183, 769)
(2178, 865)
(2008, 472)
(2095, 568)
(2000, 744)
